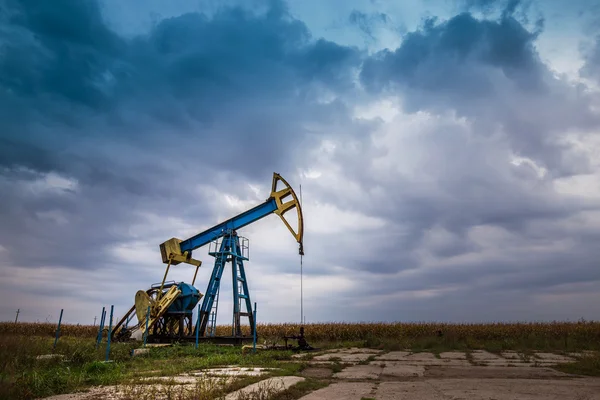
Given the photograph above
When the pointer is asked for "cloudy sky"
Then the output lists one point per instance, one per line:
(447, 151)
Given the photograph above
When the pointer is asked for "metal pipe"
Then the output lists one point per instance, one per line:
(195, 273)
(100, 327)
(58, 328)
(160, 293)
(109, 332)
(197, 325)
(254, 333)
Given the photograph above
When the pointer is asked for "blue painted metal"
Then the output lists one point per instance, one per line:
(99, 337)
(254, 331)
(237, 222)
(212, 290)
(186, 301)
(229, 250)
(109, 331)
(197, 326)
(57, 329)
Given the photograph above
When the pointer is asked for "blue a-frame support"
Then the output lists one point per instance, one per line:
(229, 250)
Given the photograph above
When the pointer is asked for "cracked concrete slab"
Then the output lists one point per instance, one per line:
(401, 370)
(343, 391)
(233, 371)
(555, 358)
(483, 357)
(393, 356)
(493, 372)
(497, 389)
(407, 391)
(270, 387)
(370, 371)
(352, 355)
(511, 355)
(522, 389)
(453, 355)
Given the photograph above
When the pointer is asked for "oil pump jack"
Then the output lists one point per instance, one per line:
(164, 311)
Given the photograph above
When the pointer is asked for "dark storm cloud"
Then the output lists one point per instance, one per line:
(137, 123)
(186, 73)
(108, 144)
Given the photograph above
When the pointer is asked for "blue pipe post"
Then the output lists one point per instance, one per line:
(254, 330)
(197, 326)
(100, 327)
(109, 334)
(146, 331)
(57, 329)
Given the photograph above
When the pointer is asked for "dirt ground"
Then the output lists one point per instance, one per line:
(360, 374)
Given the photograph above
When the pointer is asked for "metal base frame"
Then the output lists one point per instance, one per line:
(230, 249)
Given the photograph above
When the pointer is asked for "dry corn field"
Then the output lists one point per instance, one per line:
(574, 332)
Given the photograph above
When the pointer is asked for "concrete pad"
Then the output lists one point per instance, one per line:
(511, 355)
(267, 387)
(426, 358)
(361, 353)
(522, 389)
(554, 358)
(393, 356)
(482, 357)
(318, 362)
(232, 371)
(453, 355)
(360, 372)
(493, 372)
(497, 389)
(423, 356)
(342, 391)
(401, 370)
(407, 391)
(139, 352)
(60, 357)
(359, 350)
(343, 357)
(189, 379)
(317, 372)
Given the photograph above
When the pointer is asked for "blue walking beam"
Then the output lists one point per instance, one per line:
(175, 251)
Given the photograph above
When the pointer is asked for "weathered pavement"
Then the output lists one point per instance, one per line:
(371, 374)
(450, 375)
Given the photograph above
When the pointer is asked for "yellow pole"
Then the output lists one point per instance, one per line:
(195, 273)
(159, 295)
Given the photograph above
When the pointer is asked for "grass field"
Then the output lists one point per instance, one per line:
(24, 376)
